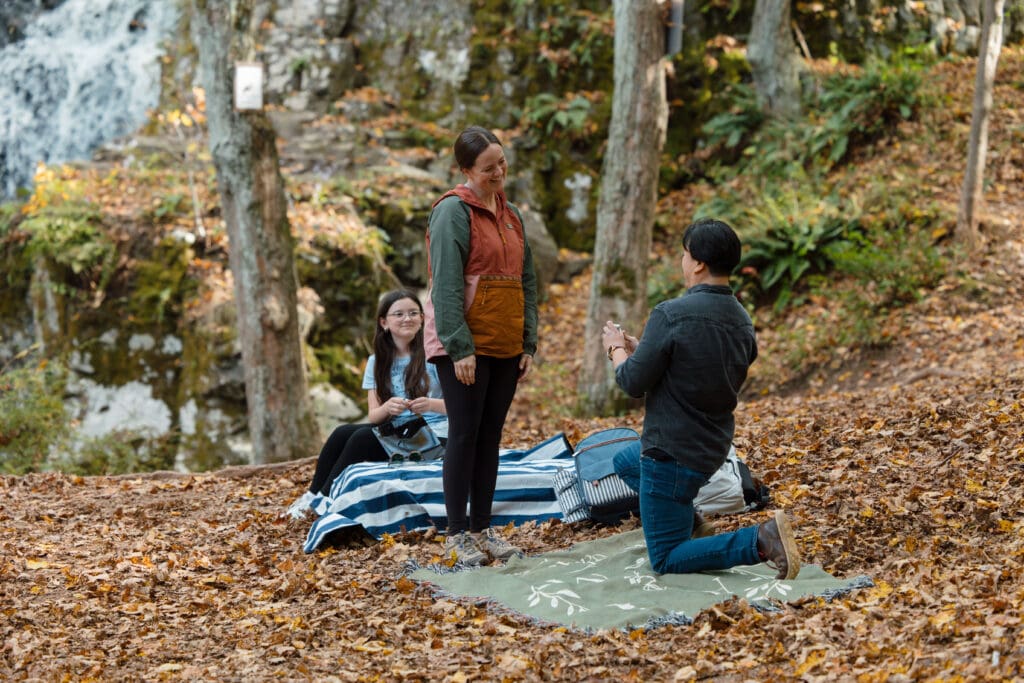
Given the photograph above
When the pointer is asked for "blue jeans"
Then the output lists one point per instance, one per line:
(667, 490)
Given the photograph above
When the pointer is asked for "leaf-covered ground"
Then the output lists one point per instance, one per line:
(905, 464)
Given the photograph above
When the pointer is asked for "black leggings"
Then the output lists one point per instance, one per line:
(476, 416)
(347, 445)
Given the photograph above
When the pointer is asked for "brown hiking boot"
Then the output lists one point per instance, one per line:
(776, 546)
(702, 527)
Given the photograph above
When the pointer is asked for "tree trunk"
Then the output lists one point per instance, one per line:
(774, 62)
(629, 188)
(977, 146)
(243, 145)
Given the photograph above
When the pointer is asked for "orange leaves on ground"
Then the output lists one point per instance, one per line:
(903, 464)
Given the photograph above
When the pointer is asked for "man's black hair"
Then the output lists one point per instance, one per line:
(713, 243)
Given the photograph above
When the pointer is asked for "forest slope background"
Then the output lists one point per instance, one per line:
(904, 462)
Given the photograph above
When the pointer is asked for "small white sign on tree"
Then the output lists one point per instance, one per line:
(248, 86)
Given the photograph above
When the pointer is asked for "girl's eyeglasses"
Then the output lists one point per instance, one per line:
(401, 315)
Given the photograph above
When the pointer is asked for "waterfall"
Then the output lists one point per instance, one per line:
(83, 74)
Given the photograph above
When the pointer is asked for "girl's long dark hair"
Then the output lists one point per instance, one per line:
(417, 382)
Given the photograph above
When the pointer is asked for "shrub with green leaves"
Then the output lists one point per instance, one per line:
(574, 40)
(15, 266)
(791, 239)
(36, 433)
(856, 108)
(776, 178)
(162, 282)
(32, 416)
(734, 127)
(786, 233)
(66, 229)
(894, 264)
(554, 114)
(8, 212)
(118, 452)
(71, 237)
(844, 111)
(577, 118)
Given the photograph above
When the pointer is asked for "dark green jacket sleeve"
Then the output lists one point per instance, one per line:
(449, 252)
(529, 294)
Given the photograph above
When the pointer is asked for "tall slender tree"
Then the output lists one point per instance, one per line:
(774, 62)
(629, 186)
(243, 145)
(977, 145)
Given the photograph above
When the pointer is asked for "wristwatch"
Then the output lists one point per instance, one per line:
(611, 349)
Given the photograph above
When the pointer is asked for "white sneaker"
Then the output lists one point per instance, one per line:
(495, 546)
(464, 548)
(301, 507)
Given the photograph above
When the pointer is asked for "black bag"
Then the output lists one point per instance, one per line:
(410, 441)
(755, 492)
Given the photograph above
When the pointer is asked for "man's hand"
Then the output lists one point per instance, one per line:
(612, 335)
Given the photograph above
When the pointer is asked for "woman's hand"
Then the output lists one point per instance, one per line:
(525, 365)
(465, 370)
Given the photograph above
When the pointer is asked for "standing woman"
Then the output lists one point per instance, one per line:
(481, 332)
(399, 382)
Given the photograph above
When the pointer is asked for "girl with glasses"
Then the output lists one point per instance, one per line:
(399, 383)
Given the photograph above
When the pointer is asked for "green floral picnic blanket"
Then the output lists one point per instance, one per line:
(608, 583)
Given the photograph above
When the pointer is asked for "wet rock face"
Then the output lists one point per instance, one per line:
(420, 56)
(15, 15)
(77, 76)
(309, 52)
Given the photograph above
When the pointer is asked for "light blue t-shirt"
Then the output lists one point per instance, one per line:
(437, 421)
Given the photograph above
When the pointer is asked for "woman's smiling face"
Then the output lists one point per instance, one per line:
(490, 169)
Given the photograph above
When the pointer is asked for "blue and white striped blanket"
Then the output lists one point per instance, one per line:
(385, 499)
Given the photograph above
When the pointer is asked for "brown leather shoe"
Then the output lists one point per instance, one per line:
(702, 527)
(776, 545)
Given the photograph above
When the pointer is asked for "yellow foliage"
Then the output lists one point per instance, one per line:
(942, 618)
(813, 659)
(875, 595)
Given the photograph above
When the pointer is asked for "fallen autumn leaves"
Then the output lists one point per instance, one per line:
(916, 484)
(907, 467)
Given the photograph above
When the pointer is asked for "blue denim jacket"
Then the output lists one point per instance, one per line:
(692, 360)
